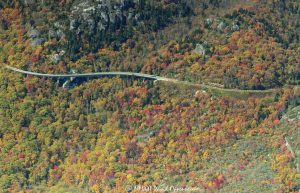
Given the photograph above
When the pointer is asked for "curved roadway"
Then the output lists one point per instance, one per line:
(134, 74)
(85, 74)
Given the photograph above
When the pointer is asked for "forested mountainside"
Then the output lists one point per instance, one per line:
(111, 134)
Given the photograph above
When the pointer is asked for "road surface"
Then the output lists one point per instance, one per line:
(133, 74)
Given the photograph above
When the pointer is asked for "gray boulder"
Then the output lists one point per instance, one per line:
(221, 26)
(209, 21)
(200, 50)
(35, 39)
(52, 33)
(33, 33)
(72, 24)
(235, 27)
(112, 17)
(101, 26)
(92, 24)
(104, 16)
(60, 34)
(55, 58)
(137, 17)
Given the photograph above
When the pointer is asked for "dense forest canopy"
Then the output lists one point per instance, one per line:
(101, 134)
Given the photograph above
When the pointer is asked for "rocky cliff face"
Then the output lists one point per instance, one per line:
(93, 24)
(100, 14)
